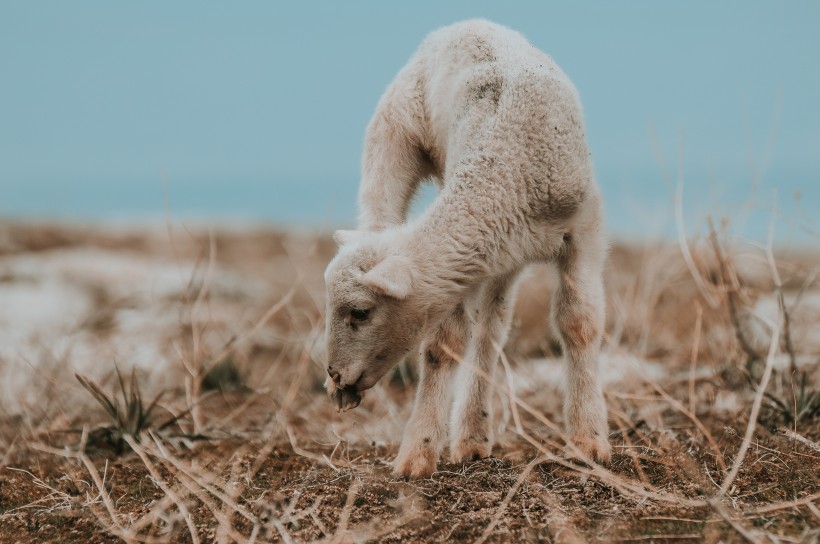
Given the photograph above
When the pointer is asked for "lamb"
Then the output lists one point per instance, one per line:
(498, 127)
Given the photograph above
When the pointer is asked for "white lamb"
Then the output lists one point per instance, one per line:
(499, 128)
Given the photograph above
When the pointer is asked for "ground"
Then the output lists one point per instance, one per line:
(715, 424)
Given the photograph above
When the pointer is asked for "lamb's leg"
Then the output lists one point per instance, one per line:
(489, 313)
(578, 314)
(394, 161)
(426, 431)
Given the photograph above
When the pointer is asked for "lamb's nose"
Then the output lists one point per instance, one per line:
(334, 375)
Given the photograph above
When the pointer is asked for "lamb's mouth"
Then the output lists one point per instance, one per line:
(350, 395)
(347, 398)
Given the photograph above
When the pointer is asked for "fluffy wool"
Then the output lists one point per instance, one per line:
(498, 126)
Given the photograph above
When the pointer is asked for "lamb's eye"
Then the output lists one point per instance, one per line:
(358, 315)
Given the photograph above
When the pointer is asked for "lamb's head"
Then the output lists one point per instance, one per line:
(373, 317)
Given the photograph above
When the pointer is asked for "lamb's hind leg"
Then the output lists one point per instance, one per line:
(489, 313)
(578, 314)
(426, 431)
(394, 161)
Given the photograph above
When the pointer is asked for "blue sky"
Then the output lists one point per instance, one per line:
(256, 110)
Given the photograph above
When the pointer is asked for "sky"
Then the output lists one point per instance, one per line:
(255, 110)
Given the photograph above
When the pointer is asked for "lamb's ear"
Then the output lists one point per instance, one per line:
(392, 277)
(344, 237)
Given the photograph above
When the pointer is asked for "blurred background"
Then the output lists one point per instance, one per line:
(254, 112)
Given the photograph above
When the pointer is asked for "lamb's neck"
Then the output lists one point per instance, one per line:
(450, 256)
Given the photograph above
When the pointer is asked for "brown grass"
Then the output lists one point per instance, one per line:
(714, 429)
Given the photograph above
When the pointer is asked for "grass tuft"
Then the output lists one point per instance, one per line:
(128, 414)
(804, 403)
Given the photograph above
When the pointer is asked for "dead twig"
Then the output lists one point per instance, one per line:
(177, 500)
(506, 502)
(783, 505)
(731, 286)
(799, 438)
(693, 360)
(748, 534)
(708, 296)
(758, 399)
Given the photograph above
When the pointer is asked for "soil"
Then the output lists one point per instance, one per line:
(262, 455)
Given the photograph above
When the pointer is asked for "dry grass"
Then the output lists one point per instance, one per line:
(712, 364)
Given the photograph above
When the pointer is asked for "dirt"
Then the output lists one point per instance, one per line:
(262, 455)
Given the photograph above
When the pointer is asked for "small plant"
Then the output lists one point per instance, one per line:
(129, 416)
(805, 404)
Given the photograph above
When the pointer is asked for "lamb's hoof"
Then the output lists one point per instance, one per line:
(419, 463)
(345, 399)
(470, 450)
(596, 448)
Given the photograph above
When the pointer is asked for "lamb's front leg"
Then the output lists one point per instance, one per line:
(426, 430)
(489, 314)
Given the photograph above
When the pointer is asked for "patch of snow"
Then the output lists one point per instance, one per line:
(726, 402)
(614, 368)
(804, 323)
(38, 310)
(48, 301)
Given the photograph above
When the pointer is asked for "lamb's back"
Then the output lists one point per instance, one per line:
(490, 93)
